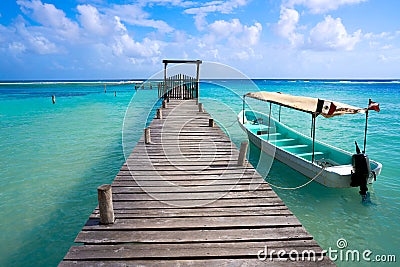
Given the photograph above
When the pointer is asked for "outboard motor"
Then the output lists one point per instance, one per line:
(361, 171)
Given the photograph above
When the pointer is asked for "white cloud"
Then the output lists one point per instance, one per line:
(223, 29)
(125, 45)
(119, 26)
(34, 40)
(287, 24)
(217, 6)
(16, 48)
(178, 3)
(252, 33)
(200, 13)
(320, 6)
(134, 15)
(382, 41)
(91, 20)
(390, 58)
(229, 40)
(234, 32)
(331, 34)
(51, 17)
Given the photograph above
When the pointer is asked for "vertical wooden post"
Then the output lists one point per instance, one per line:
(147, 137)
(242, 153)
(159, 113)
(198, 80)
(165, 89)
(104, 195)
(210, 122)
(181, 86)
(201, 109)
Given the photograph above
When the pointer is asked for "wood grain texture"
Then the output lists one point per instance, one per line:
(183, 200)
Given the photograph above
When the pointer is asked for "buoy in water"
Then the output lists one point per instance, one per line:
(53, 99)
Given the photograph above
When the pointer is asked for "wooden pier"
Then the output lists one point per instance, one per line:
(182, 199)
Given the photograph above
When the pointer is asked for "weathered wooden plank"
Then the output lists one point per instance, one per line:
(172, 171)
(194, 177)
(224, 262)
(221, 167)
(178, 195)
(258, 202)
(193, 236)
(177, 176)
(184, 251)
(197, 212)
(185, 180)
(174, 188)
(209, 222)
(230, 163)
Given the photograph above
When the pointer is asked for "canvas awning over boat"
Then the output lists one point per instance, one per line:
(317, 106)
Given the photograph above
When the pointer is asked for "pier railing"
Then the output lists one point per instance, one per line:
(179, 86)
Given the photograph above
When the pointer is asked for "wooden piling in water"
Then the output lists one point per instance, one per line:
(159, 113)
(147, 137)
(210, 122)
(201, 109)
(242, 153)
(104, 195)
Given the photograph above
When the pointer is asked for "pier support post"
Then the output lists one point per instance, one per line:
(210, 122)
(242, 153)
(164, 103)
(104, 195)
(201, 109)
(159, 113)
(147, 138)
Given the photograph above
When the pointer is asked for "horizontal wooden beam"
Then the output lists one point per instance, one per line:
(177, 61)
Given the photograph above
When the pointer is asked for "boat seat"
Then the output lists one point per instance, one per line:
(310, 154)
(282, 140)
(294, 146)
(260, 132)
(271, 134)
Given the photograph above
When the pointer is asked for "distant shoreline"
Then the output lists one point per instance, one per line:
(38, 82)
(140, 81)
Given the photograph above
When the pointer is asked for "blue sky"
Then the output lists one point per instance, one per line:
(96, 39)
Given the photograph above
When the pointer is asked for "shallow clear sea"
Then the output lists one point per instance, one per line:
(53, 157)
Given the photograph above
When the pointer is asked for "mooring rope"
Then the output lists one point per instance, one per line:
(230, 125)
(300, 186)
(287, 188)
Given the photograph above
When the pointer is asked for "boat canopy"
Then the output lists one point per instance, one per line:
(312, 105)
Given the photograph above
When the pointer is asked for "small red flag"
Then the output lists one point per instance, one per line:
(373, 106)
(328, 108)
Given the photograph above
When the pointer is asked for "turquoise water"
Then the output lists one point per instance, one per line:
(55, 156)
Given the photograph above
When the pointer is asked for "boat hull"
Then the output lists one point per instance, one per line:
(337, 176)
